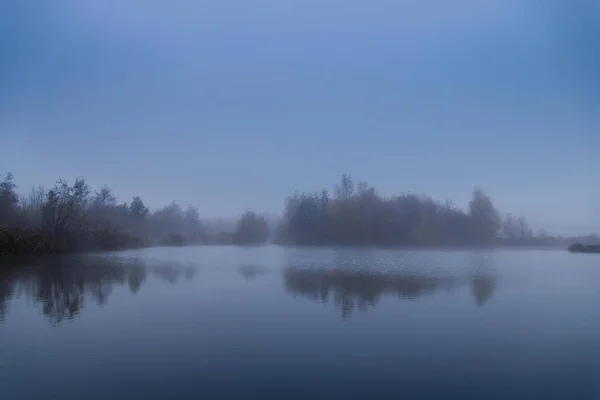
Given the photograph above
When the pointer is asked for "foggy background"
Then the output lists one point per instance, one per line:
(234, 105)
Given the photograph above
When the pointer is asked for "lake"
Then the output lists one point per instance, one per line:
(280, 323)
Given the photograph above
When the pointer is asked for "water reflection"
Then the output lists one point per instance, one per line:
(6, 292)
(361, 289)
(482, 288)
(251, 272)
(61, 285)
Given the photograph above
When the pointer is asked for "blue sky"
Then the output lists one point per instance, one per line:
(233, 105)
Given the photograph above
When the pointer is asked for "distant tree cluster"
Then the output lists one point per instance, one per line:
(75, 207)
(73, 217)
(516, 228)
(358, 215)
(252, 229)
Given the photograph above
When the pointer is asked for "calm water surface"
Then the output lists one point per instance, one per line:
(272, 322)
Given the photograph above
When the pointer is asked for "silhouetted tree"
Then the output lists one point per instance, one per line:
(104, 199)
(345, 189)
(137, 209)
(252, 229)
(191, 219)
(167, 220)
(484, 216)
(8, 200)
(66, 206)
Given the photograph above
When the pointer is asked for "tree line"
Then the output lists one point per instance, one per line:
(357, 215)
(71, 217)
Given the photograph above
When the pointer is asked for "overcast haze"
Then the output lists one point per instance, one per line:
(233, 105)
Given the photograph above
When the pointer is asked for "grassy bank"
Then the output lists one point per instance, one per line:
(32, 242)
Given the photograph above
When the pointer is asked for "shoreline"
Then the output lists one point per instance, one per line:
(23, 256)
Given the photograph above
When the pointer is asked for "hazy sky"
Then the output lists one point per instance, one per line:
(232, 105)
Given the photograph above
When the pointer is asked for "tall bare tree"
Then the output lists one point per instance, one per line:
(9, 200)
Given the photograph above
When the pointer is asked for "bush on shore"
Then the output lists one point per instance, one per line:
(36, 242)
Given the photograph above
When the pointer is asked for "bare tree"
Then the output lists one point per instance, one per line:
(31, 206)
(66, 206)
(523, 229)
(345, 189)
(9, 200)
(137, 208)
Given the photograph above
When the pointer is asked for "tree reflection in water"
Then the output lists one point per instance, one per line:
(482, 289)
(62, 284)
(250, 272)
(6, 292)
(361, 289)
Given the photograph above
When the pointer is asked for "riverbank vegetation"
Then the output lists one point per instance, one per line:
(73, 217)
(357, 215)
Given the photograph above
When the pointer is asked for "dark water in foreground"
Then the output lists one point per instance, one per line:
(224, 322)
